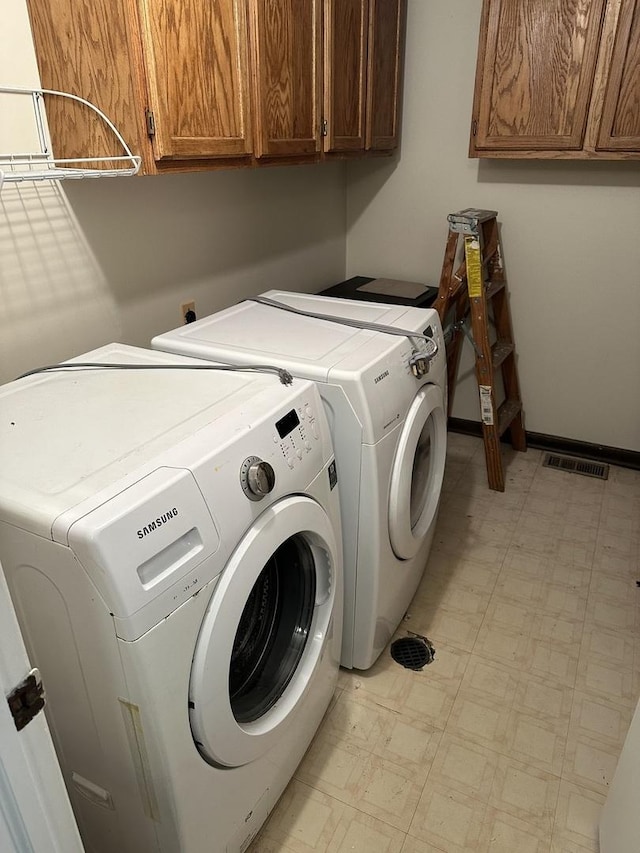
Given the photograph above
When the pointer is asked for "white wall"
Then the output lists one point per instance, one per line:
(570, 239)
(84, 263)
(214, 237)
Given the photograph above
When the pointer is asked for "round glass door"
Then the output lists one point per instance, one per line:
(264, 632)
(418, 471)
(273, 630)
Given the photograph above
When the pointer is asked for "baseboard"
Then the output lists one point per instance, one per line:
(556, 444)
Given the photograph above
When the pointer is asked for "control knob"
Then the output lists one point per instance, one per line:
(257, 478)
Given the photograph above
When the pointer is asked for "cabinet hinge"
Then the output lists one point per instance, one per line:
(27, 699)
(323, 127)
(151, 123)
(474, 126)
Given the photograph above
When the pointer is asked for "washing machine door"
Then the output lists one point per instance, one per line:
(264, 632)
(418, 471)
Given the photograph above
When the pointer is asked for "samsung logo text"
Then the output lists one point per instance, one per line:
(157, 522)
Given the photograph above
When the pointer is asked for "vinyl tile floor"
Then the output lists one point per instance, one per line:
(507, 742)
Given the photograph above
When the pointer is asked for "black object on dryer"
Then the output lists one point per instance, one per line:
(391, 291)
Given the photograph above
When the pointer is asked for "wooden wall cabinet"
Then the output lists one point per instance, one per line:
(558, 79)
(194, 57)
(195, 84)
(172, 75)
(286, 38)
(364, 49)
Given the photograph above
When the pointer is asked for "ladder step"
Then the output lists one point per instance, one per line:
(493, 287)
(507, 413)
(500, 351)
(453, 292)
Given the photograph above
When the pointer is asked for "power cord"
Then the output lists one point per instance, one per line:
(283, 375)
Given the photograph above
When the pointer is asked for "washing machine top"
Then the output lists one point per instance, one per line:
(141, 471)
(372, 367)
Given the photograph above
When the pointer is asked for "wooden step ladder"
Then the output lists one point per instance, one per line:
(478, 288)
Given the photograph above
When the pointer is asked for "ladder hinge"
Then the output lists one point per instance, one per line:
(27, 699)
(323, 127)
(151, 123)
(474, 126)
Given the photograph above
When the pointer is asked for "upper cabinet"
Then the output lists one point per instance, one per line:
(364, 49)
(385, 62)
(206, 83)
(620, 122)
(172, 76)
(196, 64)
(287, 42)
(346, 35)
(558, 78)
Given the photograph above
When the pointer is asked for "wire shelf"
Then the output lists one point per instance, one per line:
(42, 166)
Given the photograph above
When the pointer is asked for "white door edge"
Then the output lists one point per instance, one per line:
(620, 817)
(35, 813)
(406, 539)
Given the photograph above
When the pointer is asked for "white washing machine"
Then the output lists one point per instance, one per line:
(389, 431)
(176, 566)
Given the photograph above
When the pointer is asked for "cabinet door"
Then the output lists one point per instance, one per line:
(287, 65)
(346, 33)
(620, 124)
(384, 73)
(196, 60)
(86, 49)
(536, 64)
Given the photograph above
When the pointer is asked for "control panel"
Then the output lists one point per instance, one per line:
(296, 433)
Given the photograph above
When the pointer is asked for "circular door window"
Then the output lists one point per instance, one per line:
(273, 630)
(264, 632)
(418, 471)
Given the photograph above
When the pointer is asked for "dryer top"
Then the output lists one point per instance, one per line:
(307, 346)
(76, 438)
(371, 367)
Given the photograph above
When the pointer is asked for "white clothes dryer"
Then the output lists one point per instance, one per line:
(389, 431)
(171, 539)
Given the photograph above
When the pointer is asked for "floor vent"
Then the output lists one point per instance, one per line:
(413, 652)
(576, 466)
